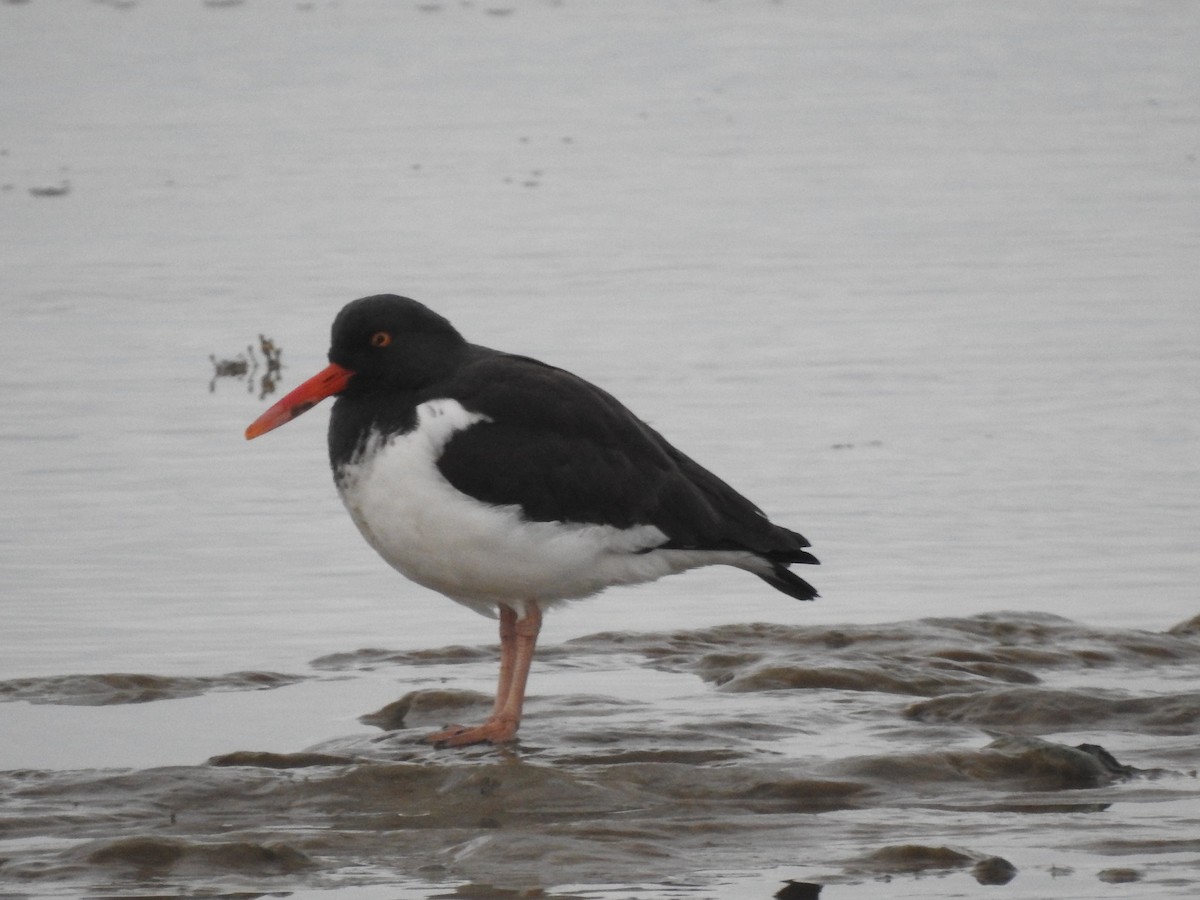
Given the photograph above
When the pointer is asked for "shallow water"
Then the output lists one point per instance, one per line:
(957, 748)
(919, 281)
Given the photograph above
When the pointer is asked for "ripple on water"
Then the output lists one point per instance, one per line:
(838, 750)
(116, 688)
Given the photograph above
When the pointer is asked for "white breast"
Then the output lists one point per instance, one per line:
(482, 554)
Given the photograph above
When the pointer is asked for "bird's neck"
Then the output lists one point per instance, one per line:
(357, 417)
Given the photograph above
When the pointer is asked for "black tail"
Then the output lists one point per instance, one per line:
(790, 583)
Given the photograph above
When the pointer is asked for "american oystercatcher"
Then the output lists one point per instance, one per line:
(509, 485)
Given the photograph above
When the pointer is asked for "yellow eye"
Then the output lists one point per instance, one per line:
(380, 339)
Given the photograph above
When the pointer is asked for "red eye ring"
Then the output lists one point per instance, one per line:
(381, 339)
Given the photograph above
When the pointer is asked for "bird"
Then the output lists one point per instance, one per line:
(510, 485)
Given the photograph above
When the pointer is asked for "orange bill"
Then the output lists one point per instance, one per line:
(325, 383)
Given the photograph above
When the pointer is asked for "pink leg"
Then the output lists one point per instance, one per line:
(518, 640)
(508, 653)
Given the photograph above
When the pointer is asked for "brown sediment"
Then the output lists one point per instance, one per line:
(119, 687)
(262, 760)
(915, 858)
(1119, 875)
(156, 856)
(1189, 628)
(994, 870)
(1038, 710)
(372, 658)
(426, 706)
(925, 657)
(811, 748)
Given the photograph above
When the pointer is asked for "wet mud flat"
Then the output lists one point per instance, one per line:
(1025, 752)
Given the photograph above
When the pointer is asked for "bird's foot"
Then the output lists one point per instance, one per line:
(493, 731)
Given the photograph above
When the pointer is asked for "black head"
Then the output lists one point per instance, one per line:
(383, 344)
(393, 342)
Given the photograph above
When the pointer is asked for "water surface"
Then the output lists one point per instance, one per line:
(918, 280)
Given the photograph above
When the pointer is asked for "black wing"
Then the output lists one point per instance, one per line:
(565, 450)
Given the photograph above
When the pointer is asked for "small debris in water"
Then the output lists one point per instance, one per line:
(245, 366)
(59, 190)
(231, 368)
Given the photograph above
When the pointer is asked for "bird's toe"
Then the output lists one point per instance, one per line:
(493, 731)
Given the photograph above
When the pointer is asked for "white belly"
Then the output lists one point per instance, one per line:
(481, 554)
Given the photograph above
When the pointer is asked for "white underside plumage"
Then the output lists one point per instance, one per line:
(483, 555)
